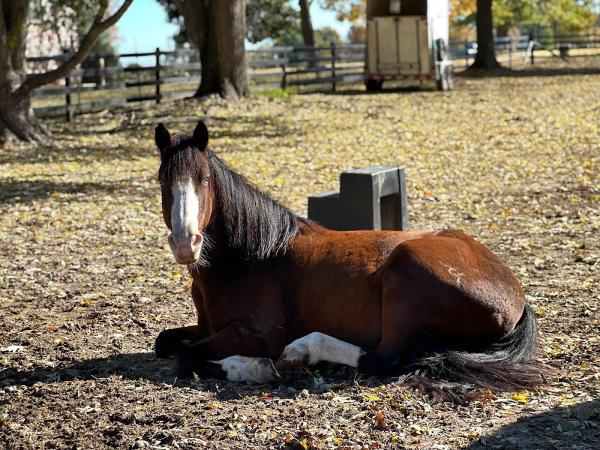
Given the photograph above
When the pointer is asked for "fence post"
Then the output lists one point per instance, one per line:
(157, 75)
(510, 55)
(467, 53)
(532, 52)
(69, 110)
(101, 67)
(283, 77)
(333, 82)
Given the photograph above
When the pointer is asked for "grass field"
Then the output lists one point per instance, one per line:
(87, 280)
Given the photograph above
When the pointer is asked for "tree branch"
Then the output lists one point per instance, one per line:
(85, 47)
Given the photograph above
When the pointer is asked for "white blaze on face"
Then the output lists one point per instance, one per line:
(185, 239)
(184, 211)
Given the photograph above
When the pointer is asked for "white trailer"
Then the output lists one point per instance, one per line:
(408, 45)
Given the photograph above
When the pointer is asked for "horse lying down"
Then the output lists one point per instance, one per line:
(271, 286)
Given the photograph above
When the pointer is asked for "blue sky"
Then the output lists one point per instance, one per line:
(144, 26)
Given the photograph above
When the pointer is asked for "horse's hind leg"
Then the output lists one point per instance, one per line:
(318, 347)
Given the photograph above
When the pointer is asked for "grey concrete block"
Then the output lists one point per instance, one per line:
(374, 198)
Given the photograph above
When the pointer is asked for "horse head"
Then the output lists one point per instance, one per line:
(187, 198)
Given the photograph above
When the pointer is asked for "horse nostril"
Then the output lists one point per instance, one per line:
(197, 242)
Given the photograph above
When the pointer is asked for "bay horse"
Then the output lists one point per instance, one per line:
(271, 286)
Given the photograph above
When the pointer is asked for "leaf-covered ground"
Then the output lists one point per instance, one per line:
(87, 280)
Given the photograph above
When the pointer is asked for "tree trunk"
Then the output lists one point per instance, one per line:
(223, 55)
(18, 123)
(218, 29)
(308, 33)
(486, 53)
(17, 120)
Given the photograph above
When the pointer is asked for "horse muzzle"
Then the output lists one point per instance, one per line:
(186, 249)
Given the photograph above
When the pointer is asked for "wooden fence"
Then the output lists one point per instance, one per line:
(108, 81)
(159, 75)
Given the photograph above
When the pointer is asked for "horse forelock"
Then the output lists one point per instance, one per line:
(181, 161)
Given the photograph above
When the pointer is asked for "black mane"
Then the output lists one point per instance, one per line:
(256, 226)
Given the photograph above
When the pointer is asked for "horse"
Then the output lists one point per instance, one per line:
(274, 291)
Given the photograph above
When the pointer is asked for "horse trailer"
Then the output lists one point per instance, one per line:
(408, 40)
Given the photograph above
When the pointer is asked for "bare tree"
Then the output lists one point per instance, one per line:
(218, 29)
(16, 116)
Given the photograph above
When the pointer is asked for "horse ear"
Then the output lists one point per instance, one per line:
(201, 135)
(162, 137)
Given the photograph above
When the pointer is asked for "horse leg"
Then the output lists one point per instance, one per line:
(235, 353)
(169, 341)
(317, 347)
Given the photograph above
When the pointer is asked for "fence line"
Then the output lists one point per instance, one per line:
(175, 74)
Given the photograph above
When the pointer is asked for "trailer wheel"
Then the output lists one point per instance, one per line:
(374, 85)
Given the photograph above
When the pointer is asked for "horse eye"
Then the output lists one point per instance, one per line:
(205, 182)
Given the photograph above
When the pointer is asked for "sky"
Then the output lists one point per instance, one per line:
(144, 26)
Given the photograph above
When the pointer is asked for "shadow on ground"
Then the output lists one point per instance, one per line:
(14, 192)
(146, 366)
(573, 427)
(529, 72)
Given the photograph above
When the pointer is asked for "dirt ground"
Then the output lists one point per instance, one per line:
(87, 280)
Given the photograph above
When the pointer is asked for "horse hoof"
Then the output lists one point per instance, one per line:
(291, 359)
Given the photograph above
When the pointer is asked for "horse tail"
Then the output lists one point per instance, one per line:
(507, 364)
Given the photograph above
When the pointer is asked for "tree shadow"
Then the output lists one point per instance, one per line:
(246, 127)
(571, 427)
(19, 191)
(146, 366)
(529, 72)
(412, 89)
(55, 153)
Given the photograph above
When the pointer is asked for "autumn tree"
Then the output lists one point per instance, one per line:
(17, 120)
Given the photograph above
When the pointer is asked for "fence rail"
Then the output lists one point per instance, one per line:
(115, 80)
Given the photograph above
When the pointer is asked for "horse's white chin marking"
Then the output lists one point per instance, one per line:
(316, 347)
(243, 368)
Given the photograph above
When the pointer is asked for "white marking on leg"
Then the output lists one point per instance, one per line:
(185, 209)
(316, 347)
(243, 368)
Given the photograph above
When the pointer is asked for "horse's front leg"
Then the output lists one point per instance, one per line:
(235, 353)
(170, 341)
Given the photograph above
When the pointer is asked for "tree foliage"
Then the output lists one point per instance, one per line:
(269, 19)
(273, 19)
(568, 14)
(350, 10)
